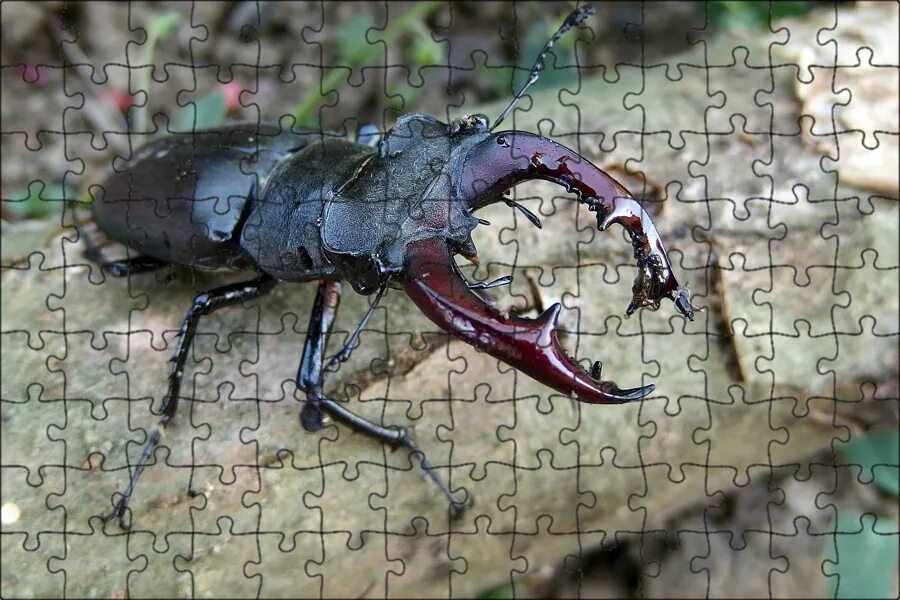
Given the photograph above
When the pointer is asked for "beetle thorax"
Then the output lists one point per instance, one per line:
(396, 196)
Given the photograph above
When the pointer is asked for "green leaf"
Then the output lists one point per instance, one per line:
(753, 15)
(163, 25)
(500, 592)
(877, 455)
(790, 8)
(210, 112)
(351, 38)
(425, 51)
(864, 562)
(38, 200)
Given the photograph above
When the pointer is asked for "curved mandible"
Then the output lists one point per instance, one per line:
(510, 157)
(434, 284)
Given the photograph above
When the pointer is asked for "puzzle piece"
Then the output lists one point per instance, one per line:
(763, 146)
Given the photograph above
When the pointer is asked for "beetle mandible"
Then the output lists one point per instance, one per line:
(305, 205)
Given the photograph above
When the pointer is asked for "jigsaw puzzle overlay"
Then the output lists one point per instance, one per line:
(763, 464)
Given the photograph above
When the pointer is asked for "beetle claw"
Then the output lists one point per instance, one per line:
(511, 157)
(431, 278)
(532, 346)
(631, 394)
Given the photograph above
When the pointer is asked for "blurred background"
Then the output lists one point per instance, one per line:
(84, 83)
(334, 65)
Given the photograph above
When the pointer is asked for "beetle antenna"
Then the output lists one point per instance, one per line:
(571, 21)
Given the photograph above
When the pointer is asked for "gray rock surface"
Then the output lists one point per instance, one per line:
(284, 513)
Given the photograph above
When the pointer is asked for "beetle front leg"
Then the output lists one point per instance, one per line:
(204, 304)
(311, 379)
(313, 366)
(309, 375)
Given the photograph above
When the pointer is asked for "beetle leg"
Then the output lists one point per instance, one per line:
(133, 266)
(119, 268)
(345, 352)
(204, 304)
(309, 375)
(396, 436)
(311, 379)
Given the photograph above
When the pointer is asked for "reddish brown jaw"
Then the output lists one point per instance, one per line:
(510, 157)
(530, 345)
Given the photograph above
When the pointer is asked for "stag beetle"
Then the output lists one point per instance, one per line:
(305, 205)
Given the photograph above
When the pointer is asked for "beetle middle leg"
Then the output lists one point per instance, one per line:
(133, 266)
(204, 304)
(311, 378)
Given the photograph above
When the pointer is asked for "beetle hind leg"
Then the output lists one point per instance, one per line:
(204, 304)
(309, 374)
